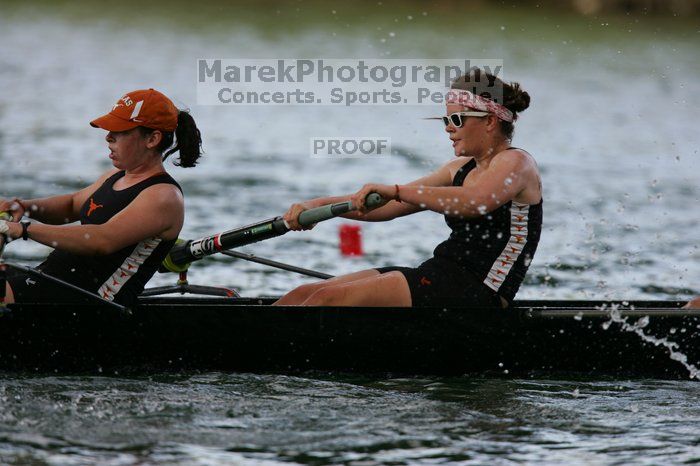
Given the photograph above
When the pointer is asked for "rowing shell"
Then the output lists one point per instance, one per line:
(535, 338)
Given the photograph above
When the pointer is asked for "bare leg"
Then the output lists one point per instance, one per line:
(388, 289)
(9, 296)
(301, 293)
(693, 304)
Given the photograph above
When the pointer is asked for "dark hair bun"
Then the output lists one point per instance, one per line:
(515, 99)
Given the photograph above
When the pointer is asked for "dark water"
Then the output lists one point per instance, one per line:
(272, 419)
(613, 125)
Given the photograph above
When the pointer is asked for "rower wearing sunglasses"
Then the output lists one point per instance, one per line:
(490, 196)
(129, 218)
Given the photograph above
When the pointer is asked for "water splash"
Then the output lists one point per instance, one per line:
(615, 313)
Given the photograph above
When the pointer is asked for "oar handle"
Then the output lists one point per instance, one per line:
(193, 250)
(325, 212)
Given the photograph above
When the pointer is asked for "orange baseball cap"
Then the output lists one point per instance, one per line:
(145, 107)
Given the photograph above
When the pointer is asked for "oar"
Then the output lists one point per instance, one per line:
(278, 265)
(194, 250)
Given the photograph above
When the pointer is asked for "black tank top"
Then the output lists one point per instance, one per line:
(497, 246)
(122, 275)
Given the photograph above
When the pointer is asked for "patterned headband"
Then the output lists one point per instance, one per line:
(476, 102)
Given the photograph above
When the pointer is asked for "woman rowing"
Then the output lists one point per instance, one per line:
(129, 218)
(490, 195)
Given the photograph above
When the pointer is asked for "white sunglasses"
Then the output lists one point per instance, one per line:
(456, 118)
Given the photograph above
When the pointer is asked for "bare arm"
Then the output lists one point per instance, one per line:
(394, 209)
(507, 175)
(55, 210)
(389, 211)
(157, 212)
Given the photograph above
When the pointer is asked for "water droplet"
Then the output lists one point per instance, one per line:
(642, 322)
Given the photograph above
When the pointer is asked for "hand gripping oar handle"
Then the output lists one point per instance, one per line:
(196, 249)
(3, 238)
(325, 212)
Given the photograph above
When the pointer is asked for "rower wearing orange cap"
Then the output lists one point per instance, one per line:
(129, 218)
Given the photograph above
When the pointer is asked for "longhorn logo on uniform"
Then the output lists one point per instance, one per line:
(93, 207)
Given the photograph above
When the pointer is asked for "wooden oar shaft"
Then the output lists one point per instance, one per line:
(194, 250)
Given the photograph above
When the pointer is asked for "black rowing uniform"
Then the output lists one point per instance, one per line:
(484, 259)
(120, 276)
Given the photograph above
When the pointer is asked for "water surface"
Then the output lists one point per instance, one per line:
(612, 125)
(264, 419)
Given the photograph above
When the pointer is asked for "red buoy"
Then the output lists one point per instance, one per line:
(350, 240)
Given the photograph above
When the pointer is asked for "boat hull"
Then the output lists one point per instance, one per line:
(248, 335)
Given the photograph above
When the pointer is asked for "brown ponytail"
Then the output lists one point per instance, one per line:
(187, 139)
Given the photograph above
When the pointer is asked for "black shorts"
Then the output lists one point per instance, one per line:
(437, 282)
(29, 288)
